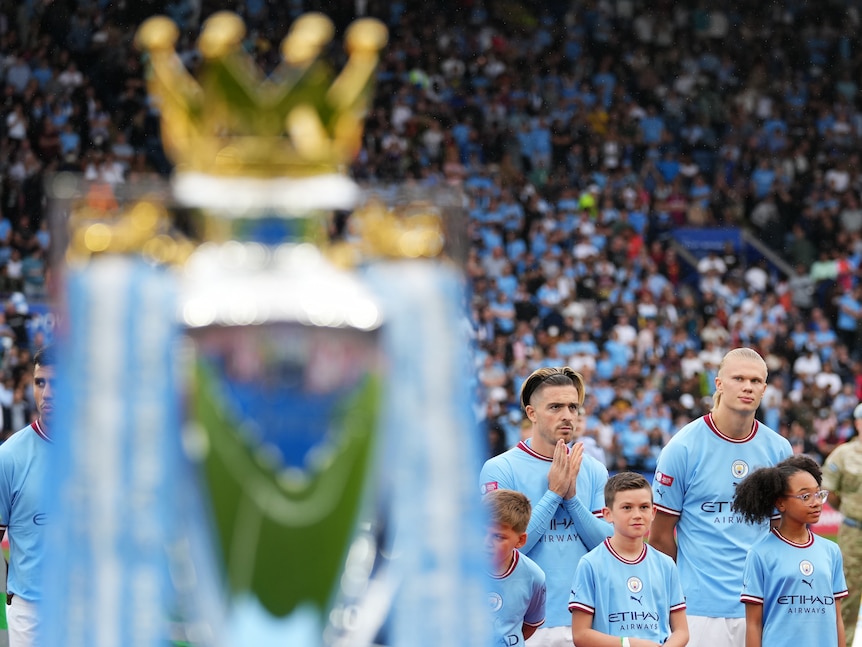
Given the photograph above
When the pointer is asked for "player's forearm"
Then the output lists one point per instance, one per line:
(591, 529)
(842, 639)
(662, 534)
(753, 636)
(543, 512)
(664, 542)
(753, 625)
(678, 638)
(593, 638)
(679, 634)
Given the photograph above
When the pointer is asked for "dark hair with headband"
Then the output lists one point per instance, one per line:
(756, 495)
(552, 376)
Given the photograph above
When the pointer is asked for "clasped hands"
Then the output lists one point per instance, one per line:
(563, 475)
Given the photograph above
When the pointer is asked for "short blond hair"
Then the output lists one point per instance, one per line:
(737, 353)
(510, 508)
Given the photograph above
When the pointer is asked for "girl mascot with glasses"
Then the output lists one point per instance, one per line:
(793, 580)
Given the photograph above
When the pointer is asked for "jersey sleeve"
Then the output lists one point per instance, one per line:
(599, 479)
(583, 594)
(786, 450)
(535, 615)
(839, 583)
(5, 490)
(543, 511)
(669, 482)
(496, 475)
(752, 579)
(674, 588)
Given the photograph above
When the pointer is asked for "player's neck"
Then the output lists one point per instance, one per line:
(732, 424)
(503, 567)
(794, 531)
(541, 447)
(629, 548)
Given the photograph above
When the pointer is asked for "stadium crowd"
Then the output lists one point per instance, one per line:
(583, 134)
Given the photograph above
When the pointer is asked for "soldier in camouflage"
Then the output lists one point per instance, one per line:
(842, 476)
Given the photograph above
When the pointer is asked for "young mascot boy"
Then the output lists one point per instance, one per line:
(626, 593)
(516, 590)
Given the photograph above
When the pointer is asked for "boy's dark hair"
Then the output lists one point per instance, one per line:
(45, 356)
(509, 507)
(756, 495)
(622, 482)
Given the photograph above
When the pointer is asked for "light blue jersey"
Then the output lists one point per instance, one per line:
(560, 531)
(517, 597)
(695, 478)
(23, 459)
(797, 584)
(625, 597)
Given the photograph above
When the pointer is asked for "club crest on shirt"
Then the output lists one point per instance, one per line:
(634, 584)
(495, 601)
(490, 487)
(739, 469)
(664, 479)
(806, 567)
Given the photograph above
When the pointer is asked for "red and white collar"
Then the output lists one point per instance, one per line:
(37, 427)
(522, 445)
(515, 557)
(710, 422)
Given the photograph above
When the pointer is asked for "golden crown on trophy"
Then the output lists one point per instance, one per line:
(233, 120)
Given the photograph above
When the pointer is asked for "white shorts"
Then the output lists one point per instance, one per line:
(21, 617)
(716, 632)
(551, 637)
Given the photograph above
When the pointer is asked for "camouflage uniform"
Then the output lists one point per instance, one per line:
(842, 474)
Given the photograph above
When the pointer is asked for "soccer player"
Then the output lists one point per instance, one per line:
(564, 486)
(517, 585)
(23, 459)
(696, 475)
(625, 592)
(793, 580)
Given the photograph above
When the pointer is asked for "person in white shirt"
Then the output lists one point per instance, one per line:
(807, 365)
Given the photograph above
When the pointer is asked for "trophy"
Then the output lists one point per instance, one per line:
(283, 364)
(267, 436)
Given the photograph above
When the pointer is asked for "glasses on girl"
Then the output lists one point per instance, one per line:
(810, 497)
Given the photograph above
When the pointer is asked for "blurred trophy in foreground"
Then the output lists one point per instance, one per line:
(325, 490)
(284, 364)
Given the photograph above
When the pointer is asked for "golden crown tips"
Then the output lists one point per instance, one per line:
(234, 121)
(308, 36)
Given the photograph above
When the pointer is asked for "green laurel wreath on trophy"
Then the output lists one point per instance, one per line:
(284, 534)
(283, 529)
